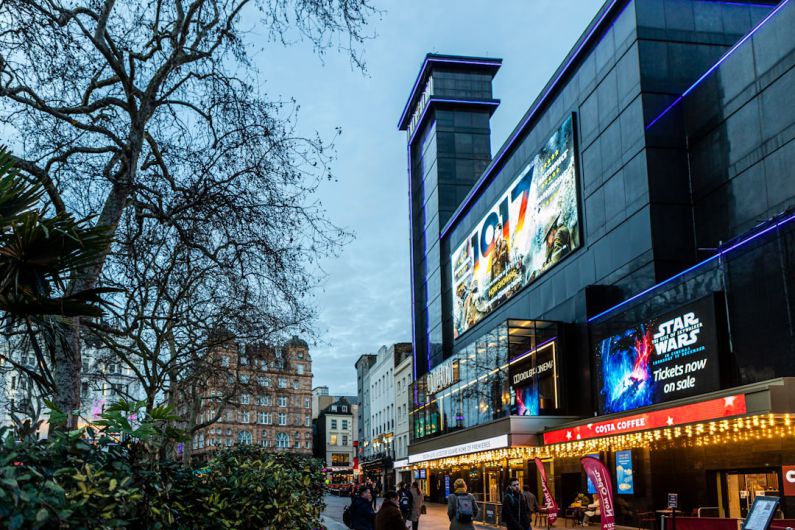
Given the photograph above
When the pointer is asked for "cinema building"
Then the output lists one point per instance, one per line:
(618, 279)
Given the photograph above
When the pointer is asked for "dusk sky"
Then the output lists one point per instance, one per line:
(365, 300)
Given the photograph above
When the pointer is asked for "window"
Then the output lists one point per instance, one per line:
(344, 439)
(264, 418)
(245, 417)
(300, 369)
(282, 382)
(244, 379)
(264, 400)
(295, 384)
(308, 420)
(345, 424)
(282, 440)
(282, 418)
(340, 459)
(229, 442)
(225, 361)
(244, 438)
(333, 439)
(229, 432)
(244, 361)
(264, 381)
(307, 403)
(245, 399)
(282, 401)
(333, 424)
(278, 353)
(83, 389)
(308, 444)
(344, 408)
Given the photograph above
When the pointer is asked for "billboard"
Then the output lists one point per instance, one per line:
(533, 225)
(670, 357)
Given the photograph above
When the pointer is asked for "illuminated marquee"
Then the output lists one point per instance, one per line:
(707, 410)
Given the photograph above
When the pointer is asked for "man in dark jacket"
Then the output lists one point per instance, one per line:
(389, 516)
(361, 512)
(514, 508)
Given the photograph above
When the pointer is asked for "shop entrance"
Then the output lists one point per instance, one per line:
(741, 487)
(493, 481)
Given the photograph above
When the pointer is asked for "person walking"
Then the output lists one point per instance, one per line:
(461, 507)
(389, 516)
(360, 515)
(532, 504)
(405, 500)
(416, 508)
(514, 508)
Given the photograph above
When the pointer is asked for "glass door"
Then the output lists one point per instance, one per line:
(743, 487)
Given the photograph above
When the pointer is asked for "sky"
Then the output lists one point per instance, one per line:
(364, 300)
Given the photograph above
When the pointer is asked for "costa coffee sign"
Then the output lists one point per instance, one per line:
(788, 473)
(714, 409)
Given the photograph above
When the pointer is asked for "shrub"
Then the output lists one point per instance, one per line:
(68, 482)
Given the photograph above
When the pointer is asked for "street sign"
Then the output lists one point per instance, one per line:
(673, 500)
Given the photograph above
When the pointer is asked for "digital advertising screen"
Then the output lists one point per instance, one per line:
(625, 484)
(672, 356)
(533, 381)
(533, 225)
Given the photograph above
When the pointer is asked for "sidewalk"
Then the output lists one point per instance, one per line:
(435, 519)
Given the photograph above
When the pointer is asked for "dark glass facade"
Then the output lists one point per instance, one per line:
(685, 144)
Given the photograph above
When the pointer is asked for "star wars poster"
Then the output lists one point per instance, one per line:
(670, 357)
(533, 226)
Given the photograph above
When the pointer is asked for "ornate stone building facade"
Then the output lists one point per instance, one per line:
(265, 397)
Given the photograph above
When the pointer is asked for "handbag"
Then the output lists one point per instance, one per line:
(423, 510)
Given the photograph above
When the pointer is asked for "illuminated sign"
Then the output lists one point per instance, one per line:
(498, 442)
(532, 226)
(442, 377)
(534, 382)
(625, 483)
(667, 358)
(715, 409)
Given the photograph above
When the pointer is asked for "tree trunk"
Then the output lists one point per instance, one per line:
(66, 372)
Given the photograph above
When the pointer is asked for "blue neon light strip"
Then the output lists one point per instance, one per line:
(531, 350)
(717, 64)
(698, 265)
(507, 146)
(478, 102)
(441, 60)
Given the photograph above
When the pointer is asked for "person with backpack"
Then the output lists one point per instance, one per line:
(359, 515)
(389, 516)
(515, 514)
(405, 500)
(462, 509)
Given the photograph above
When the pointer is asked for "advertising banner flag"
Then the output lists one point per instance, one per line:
(549, 501)
(600, 476)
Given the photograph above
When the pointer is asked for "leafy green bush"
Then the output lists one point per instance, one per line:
(67, 482)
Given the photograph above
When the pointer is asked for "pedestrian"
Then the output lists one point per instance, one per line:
(389, 516)
(405, 500)
(514, 508)
(360, 515)
(461, 507)
(416, 506)
(532, 504)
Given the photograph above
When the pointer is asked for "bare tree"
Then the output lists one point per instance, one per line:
(151, 108)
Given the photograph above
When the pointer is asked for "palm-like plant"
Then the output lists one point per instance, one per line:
(40, 253)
